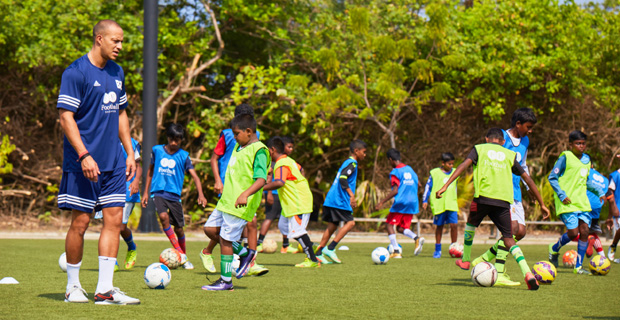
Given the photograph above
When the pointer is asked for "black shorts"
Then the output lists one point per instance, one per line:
(273, 211)
(173, 208)
(499, 215)
(336, 215)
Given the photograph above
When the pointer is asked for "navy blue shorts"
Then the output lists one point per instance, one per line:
(79, 193)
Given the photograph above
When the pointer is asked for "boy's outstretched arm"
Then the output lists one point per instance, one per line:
(201, 197)
(219, 186)
(147, 187)
(389, 196)
(462, 167)
(242, 200)
(530, 183)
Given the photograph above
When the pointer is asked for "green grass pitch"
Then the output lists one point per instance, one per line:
(413, 287)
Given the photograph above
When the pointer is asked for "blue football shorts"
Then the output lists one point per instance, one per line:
(79, 193)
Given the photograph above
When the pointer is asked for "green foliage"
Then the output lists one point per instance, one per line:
(5, 149)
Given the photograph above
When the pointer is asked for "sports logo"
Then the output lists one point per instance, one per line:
(97, 84)
(445, 180)
(556, 170)
(598, 177)
(496, 155)
(519, 157)
(109, 97)
(407, 176)
(119, 84)
(168, 163)
(583, 172)
(232, 161)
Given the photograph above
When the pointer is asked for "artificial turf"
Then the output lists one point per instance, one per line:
(412, 287)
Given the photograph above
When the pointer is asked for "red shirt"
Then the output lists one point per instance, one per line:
(393, 179)
(220, 148)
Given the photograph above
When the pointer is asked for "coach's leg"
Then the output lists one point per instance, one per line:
(108, 247)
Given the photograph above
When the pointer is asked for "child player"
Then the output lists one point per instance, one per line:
(273, 208)
(219, 162)
(613, 218)
(169, 163)
(132, 197)
(493, 194)
(594, 242)
(445, 209)
(516, 139)
(296, 199)
(246, 175)
(404, 183)
(569, 180)
(339, 203)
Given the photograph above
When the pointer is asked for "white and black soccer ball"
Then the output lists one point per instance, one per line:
(235, 265)
(484, 274)
(380, 255)
(157, 276)
(62, 262)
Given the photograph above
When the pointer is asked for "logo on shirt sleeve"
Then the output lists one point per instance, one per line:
(119, 84)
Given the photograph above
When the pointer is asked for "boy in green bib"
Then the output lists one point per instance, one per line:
(569, 180)
(246, 175)
(295, 198)
(493, 169)
(445, 210)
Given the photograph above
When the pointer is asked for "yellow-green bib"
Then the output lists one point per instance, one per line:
(295, 195)
(449, 200)
(573, 182)
(493, 172)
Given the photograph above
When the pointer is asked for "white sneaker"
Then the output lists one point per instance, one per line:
(617, 261)
(611, 253)
(188, 265)
(76, 295)
(115, 296)
(183, 258)
(418, 248)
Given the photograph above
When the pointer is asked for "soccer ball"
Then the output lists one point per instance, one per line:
(235, 265)
(269, 246)
(600, 265)
(157, 276)
(484, 274)
(456, 250)
(544, 272)
(391, 248)
(171, 258)
(62, 262)
(570, 258)
(380, 255)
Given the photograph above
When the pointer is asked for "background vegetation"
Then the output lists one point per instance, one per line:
(423, 76)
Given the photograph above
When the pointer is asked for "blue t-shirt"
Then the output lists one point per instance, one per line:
(602, 183)
(521, 150)
(614, 183)
(136, 149)
(169, 172)
(337, 197)
(406, 200)
(95, 96)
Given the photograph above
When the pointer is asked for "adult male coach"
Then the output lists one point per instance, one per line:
(91, 105)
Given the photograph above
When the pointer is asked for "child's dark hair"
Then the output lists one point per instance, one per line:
(393, 154)
(243, 121)
(277, 143)
(244, 108)
(447, 156)
(495, 133)
(577, 135)
(523, 115)
(287, 140)
(357, 144)
(175, 131)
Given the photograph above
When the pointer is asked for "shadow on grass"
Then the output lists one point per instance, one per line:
(53, 296)
(603, 317)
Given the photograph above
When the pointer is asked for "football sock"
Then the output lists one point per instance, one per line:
(173, 238)
(581, 252)
(410, 234)
(306, 244)
(437, 246)
(319, 250)
(470, 232)
(261, 238)
(226, 267)
(182, 244)
(332, 245)
(244, 241)
(73, 275)
(491, 253)
(500, 260)
(130, 244)
(393, 241)
(564, 239)
(239, 250)
(106, 274)
(285, 243)
(518, 255)
(598, 246)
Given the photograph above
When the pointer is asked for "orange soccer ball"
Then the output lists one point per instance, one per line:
(570, 258)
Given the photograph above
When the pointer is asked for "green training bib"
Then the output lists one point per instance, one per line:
(573, 182)
(449, 199)
(493, 172)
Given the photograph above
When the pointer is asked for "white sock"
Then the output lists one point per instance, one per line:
(73, 275)
(106, 274)
(393, 241)
(227, 279)
(410, 234)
